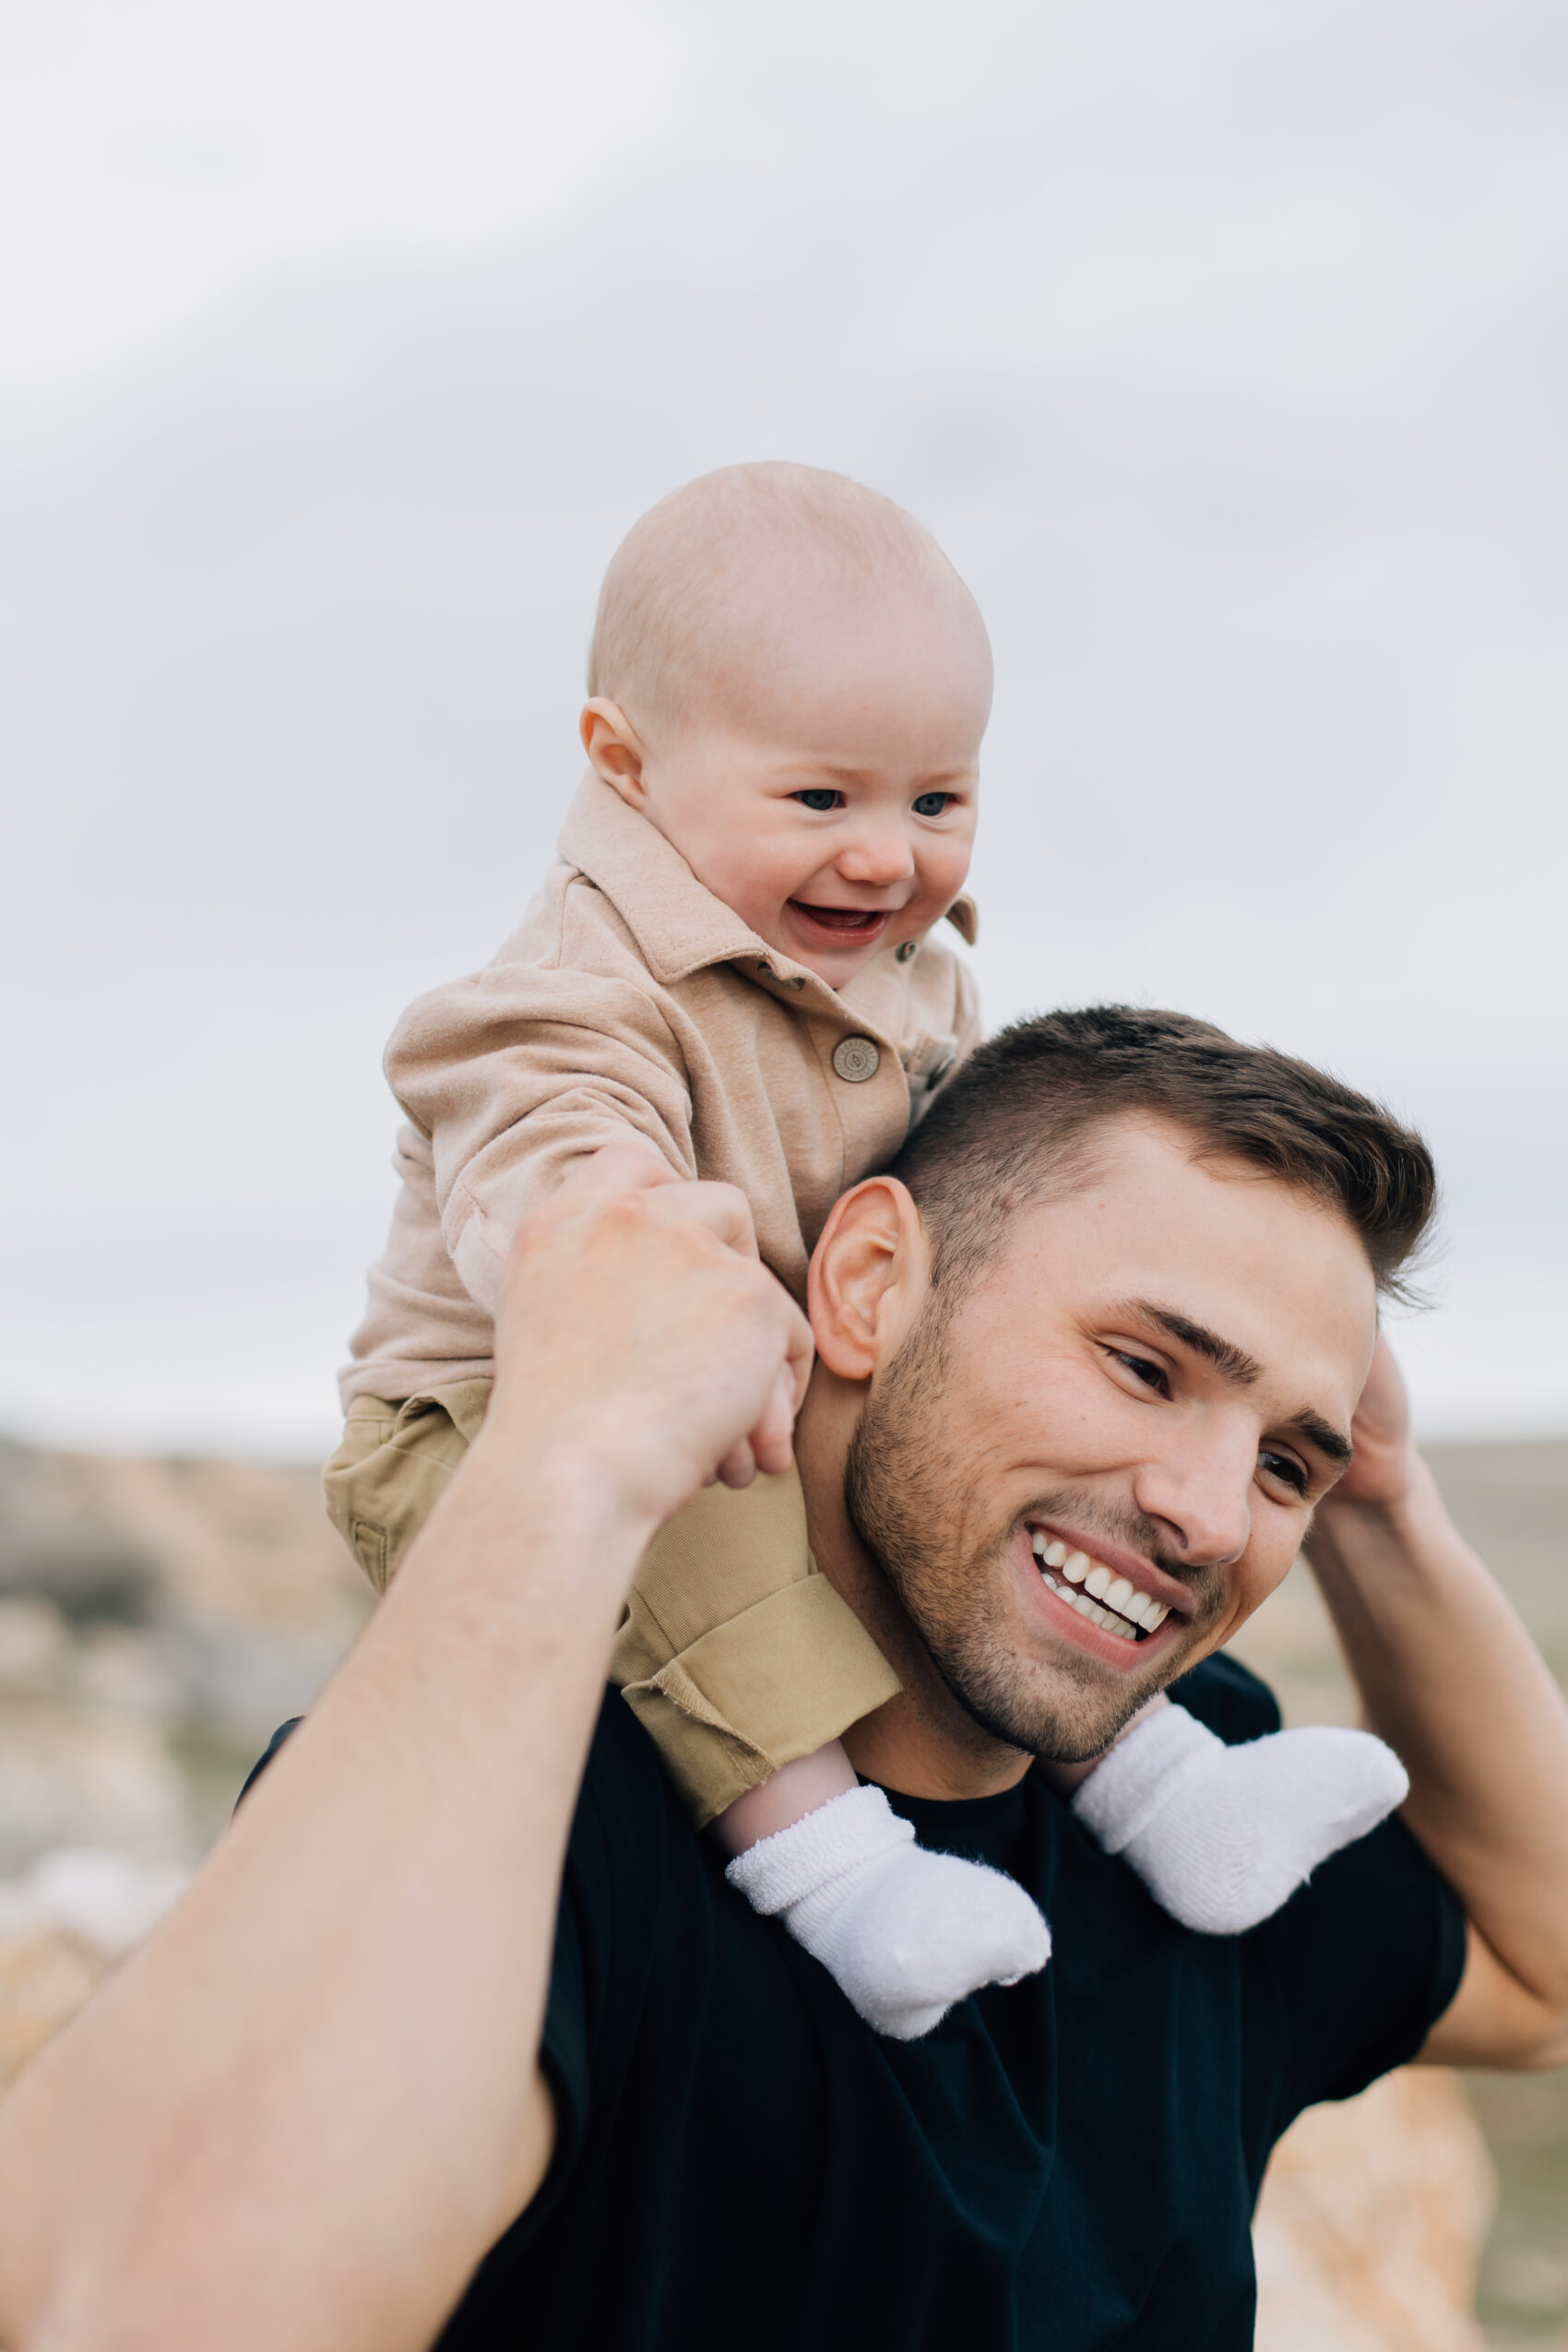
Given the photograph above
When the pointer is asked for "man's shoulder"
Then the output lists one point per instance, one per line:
(1235, 1704)
(634, 1866)
(626, 1805)
(1376, 1921)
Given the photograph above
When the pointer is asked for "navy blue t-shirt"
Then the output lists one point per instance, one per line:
(1066, 2164)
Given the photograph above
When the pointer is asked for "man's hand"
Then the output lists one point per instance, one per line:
(639, 1329)
(1383, 1464)
(1452, 1680)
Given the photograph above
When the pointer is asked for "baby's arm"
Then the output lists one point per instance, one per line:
(518, 1074)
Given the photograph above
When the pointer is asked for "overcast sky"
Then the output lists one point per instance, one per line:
(1225, 348)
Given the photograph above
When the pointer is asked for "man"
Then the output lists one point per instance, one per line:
(1124, 1294)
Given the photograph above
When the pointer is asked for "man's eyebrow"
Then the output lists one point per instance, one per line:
(1328, 1440)
(1235, 1363)
(1231, 1362)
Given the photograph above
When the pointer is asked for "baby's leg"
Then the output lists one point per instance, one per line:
(392, 1465)
(744, 1664)
(904, 1932)
(736, 1656)
(1222, 1836)
(786, 1798)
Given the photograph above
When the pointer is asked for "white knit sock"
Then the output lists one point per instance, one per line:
(902, 1931)
(1219, 1835)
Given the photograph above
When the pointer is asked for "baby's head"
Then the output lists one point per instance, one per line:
(790, 678)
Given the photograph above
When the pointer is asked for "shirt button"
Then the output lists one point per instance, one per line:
(855, 1059)
(905, 949)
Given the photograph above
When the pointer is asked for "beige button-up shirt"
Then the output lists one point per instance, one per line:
(632, 1000)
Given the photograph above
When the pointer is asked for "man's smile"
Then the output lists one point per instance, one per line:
(1113, 1606)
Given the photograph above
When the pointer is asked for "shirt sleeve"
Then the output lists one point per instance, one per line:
(564, 2056)
(516, 1073)
(605, 1941)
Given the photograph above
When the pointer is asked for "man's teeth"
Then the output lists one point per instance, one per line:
(1111, 1602)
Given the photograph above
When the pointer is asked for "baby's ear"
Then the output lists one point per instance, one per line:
(615, 748)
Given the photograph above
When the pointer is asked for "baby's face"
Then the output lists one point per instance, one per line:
(825, 790)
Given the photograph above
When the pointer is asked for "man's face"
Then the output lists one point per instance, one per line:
(1132, 1411)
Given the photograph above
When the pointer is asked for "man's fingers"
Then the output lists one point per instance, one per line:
(630, 1167)
(739, 1465)
(1383, 1407)
(722, 1208)
(770, 1447)
(771, 1441)
(637, 1309)
(634, 1167)
(803, 1355)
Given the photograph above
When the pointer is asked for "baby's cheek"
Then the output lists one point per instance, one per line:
(944, 872)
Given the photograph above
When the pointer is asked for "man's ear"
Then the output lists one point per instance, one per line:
(869, 1275)
(615, 748)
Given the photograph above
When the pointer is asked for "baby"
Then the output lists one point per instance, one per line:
(736, 963)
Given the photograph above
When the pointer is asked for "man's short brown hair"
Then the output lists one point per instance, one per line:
(1018, 1125)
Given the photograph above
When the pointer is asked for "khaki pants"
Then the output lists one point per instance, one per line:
(735, 1654)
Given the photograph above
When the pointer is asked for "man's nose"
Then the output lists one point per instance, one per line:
(878, 856)
(1205, 1497)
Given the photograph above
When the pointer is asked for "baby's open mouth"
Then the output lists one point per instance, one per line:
(855, 922)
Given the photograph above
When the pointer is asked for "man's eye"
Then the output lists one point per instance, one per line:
(819, 799)
(1152, 1376)
(932, 803)
(1281, 1467)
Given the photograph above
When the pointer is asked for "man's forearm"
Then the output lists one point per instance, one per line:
(379, 2028)
(1451, 1679)
(300, 2116)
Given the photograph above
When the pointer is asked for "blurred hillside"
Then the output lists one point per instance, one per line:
(158, 1620)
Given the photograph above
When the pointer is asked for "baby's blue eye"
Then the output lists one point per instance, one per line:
(820, 799)
(931, 803)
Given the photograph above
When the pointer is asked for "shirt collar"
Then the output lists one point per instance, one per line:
(680, 927)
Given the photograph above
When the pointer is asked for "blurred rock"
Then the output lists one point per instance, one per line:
(158, 1621)
(61, 1929)
(35, 1649)
(82, 1775)
(104, 1900)
(1371, 2223)
(231, 1564)
(63, 1541)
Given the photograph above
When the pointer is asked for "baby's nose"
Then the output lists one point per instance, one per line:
(878, 856)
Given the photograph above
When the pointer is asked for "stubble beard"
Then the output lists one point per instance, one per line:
(899, 1485)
